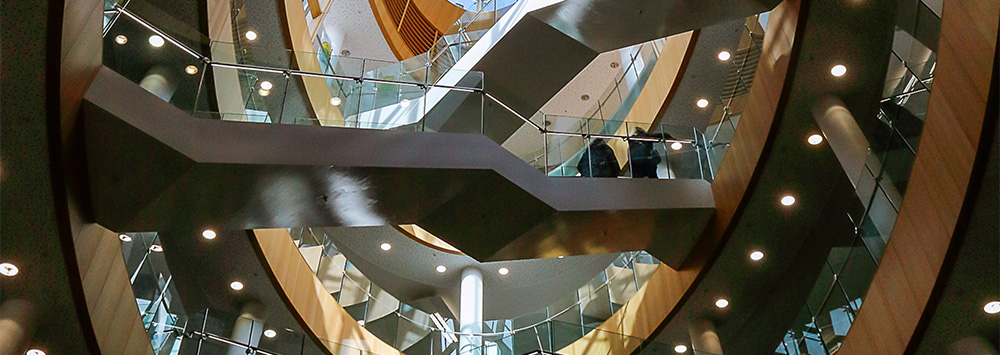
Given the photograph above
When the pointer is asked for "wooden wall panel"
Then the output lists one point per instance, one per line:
(661, 295)
(108, 292)
(309, 302)
(913, 259)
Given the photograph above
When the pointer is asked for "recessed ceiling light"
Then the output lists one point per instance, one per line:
(270, 333)
(263, 92)
(208, 234)
(156, 41)
(838, 70)
(191, 70)
(124, 238)
(680, 348)
(404, 102)
(236, 285)
(503, 271)
(724, 56)
(251, 35)
(722, 303)
(34, 352)
(156, 248)
(992, 307)
(335, 101)
(8, 269)
(787, 200)
(121, 39)
(385, 246)
(815, 139)
(266, 85)
(441, 269)
(702, 103)
(676, 146)
(561, 256)
(756, 255)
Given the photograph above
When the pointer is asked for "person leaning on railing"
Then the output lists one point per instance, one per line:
(643, 159)
(598, 161)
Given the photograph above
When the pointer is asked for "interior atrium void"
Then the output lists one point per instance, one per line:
(500, 177)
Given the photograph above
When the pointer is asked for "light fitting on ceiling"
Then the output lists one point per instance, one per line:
(815, 139)
(125, 238)
(441, 269)
(787, 200)
(236, 285)
(121, 39)
(724, 56)
(270, 333)
(263, 92)
(680, 348)
(676, 146)
(156, 248)
(702, 103)
(251, 35)
(404, 102)
(34, 352)
(756, 255)
(208, 234)
(335, 101)
(191, 70)
(838, 70)
(561, 256)
(8, 269)
(266, 85)
(722, 303)
(385, 246)
(156, 41)
(503, 271)
(992, 307)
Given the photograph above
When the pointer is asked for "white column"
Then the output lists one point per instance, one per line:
(248, 328)
(704, 339)
(470, 311)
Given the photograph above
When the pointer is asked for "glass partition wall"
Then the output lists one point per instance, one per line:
(839, 292)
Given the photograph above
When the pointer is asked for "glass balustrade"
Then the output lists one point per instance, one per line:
(839, 291)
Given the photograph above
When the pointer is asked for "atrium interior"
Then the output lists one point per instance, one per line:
(500, 177)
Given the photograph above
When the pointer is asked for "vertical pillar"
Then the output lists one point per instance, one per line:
(470, 311)
(248, 328)
(704, 339)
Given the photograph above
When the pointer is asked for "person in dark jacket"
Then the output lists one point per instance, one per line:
(642, 158)
(598, 161)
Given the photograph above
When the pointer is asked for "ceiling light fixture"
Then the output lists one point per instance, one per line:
(8, 269)
(992, 307)
(335, 101)
(404, 102)
(787, 200)
(838, 70)
(441, 269)
(208, 234)
(266, 85)
(724, 56)
(270, 333)
(156, 41)
(34, 352)
(680, 348)
(702, 103)
(251, 35)
(236, 285)
(385, 246)
(561, 256)
(191, 70)
(815, 139)
(124, 238)
(676, 146)
(156, 248)
(121, 39)
(503, 271)
(263, 92)
(722, 303)
(756, 255)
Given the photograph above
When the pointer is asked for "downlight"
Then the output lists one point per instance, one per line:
(724, 56)
(838, 70)
(156, 41)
